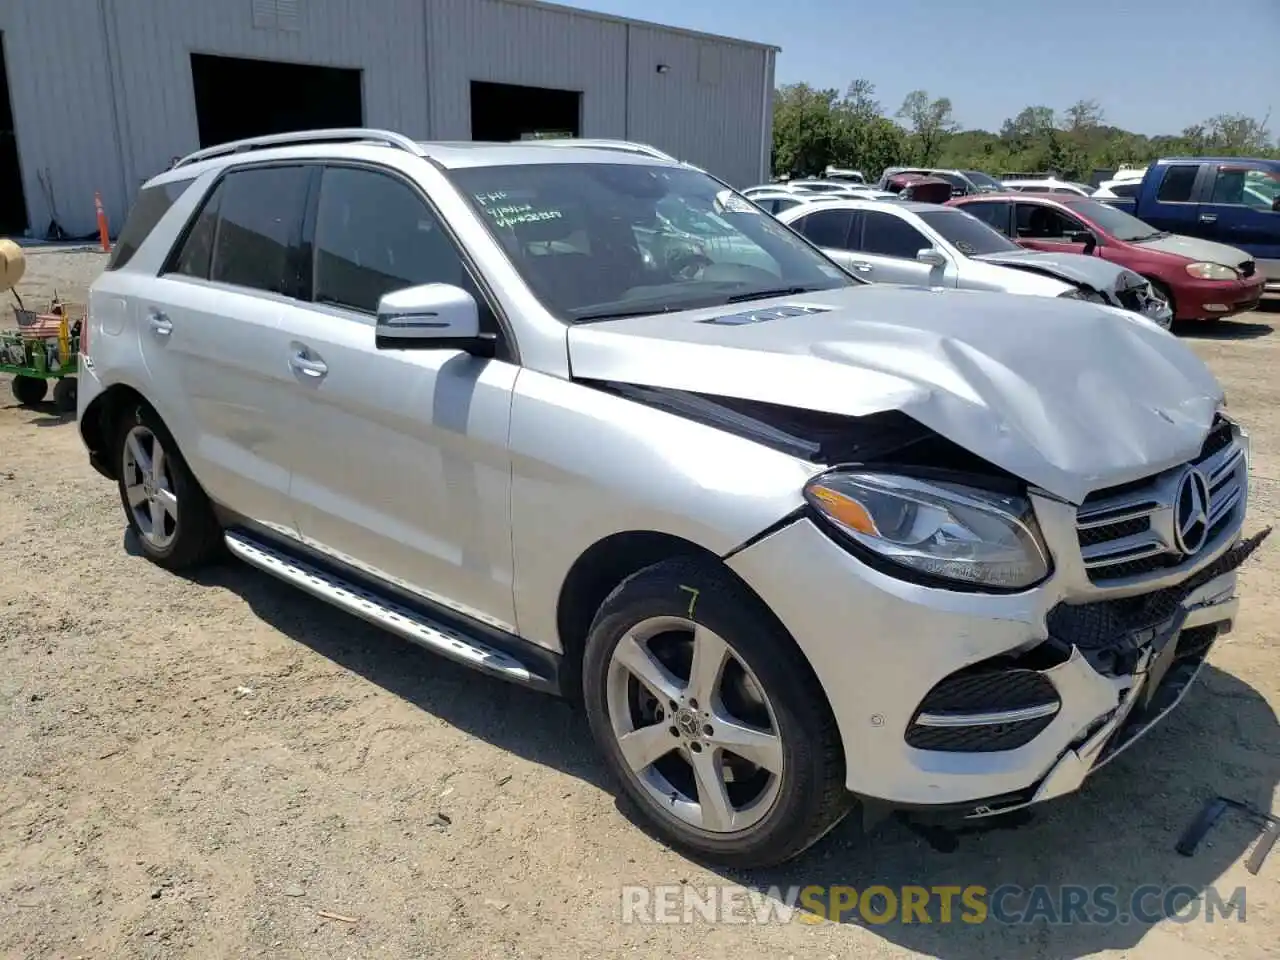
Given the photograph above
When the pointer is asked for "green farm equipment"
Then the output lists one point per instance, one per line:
(44, 347)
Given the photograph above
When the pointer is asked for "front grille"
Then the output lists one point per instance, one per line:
(975, 711)
(1130, 530)
(1111, 634)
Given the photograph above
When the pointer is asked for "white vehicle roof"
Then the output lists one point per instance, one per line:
(1045, 184)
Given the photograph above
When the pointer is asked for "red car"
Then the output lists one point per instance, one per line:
(1200, 279)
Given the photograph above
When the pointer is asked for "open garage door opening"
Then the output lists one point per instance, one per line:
(13, 205)
(238, 97)
(504, 111)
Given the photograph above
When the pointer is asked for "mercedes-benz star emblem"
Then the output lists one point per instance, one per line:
(1191, 512)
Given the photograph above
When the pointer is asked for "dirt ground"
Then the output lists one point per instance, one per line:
(199, 768)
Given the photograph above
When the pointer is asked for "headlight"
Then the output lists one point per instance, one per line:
(945, 530)
(1075, 293)
(1212, 271)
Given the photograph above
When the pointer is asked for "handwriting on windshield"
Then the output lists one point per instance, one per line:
(506, 214)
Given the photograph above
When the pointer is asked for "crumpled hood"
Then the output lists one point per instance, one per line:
(1068, 395)
(1193, 248)
(1073, 267)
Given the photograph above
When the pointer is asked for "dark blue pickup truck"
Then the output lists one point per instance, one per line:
(1233, 200)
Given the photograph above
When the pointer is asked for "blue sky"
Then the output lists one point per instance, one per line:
(1156, 66)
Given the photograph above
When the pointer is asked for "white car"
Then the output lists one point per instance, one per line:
(1049, 185)
(794, 542)
(926, 244)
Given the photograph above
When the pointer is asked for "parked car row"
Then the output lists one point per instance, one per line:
(584, 419)
(1205, 243)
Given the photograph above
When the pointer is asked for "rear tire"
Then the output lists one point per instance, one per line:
(667, 738)
(166, 509)
(29, 391)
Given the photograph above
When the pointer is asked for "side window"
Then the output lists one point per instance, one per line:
(779, 205)
(890, 236)
(375, 235)
(1228, 186)
(1262, 190)
(259, 229)
(827, 228)
(1126, 189)
(148, 209)
(1179, 178)
(196, 253)
(1036, 222)
(994, 215)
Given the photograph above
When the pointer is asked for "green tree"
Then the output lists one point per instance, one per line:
(929, 122)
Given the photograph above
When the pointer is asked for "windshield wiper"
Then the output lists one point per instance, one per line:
(767, 294)
(623, 314)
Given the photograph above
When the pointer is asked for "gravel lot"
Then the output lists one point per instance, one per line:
(200, 767)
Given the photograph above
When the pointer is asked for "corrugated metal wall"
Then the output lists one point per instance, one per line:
(515, 43)
(63, 110)
(106, 122)
(710, 107)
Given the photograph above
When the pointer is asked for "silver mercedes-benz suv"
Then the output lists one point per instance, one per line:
(795, 541)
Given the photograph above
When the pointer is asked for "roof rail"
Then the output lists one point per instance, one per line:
(602, 143)
(300, 137)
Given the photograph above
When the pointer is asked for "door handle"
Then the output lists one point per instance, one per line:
(1208, 218)
(862, 266)
(308, 366)
(159, 323)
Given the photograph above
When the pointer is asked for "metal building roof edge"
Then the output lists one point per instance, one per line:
(648, 24)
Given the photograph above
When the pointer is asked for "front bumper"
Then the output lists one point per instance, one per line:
(1217, 299)
(880, 646)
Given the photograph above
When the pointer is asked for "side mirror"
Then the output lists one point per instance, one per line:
(433, 316)
(932, 257)
(1275, 205)
(1087, 238)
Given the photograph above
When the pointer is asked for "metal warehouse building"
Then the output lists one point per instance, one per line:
(99, 95)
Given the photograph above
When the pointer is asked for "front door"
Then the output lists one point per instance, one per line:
(1047, 228)
(401, 465)
(890, 244)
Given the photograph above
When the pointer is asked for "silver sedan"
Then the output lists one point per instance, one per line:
(923, 244)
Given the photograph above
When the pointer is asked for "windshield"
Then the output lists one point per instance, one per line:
(982, 181)
(967, 233)
(1119, 224)
(597, 241)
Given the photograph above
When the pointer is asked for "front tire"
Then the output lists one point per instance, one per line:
(166, 508)
(710, 719)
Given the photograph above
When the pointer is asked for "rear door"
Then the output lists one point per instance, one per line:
(1175, 208)
(890, 244)
(833, 231)
(997, 214)
(211, 338)
(1239, 201)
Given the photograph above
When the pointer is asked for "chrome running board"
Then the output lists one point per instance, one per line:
(379, 610)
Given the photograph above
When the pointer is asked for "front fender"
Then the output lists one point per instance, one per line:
(587, 464)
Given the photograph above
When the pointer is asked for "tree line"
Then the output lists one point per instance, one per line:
(815, 128)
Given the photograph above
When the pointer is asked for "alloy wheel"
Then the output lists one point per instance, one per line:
(694, 725)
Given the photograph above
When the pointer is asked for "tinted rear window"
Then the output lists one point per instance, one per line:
(148, 209)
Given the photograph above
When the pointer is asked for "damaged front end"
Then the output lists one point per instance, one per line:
(972, 700)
